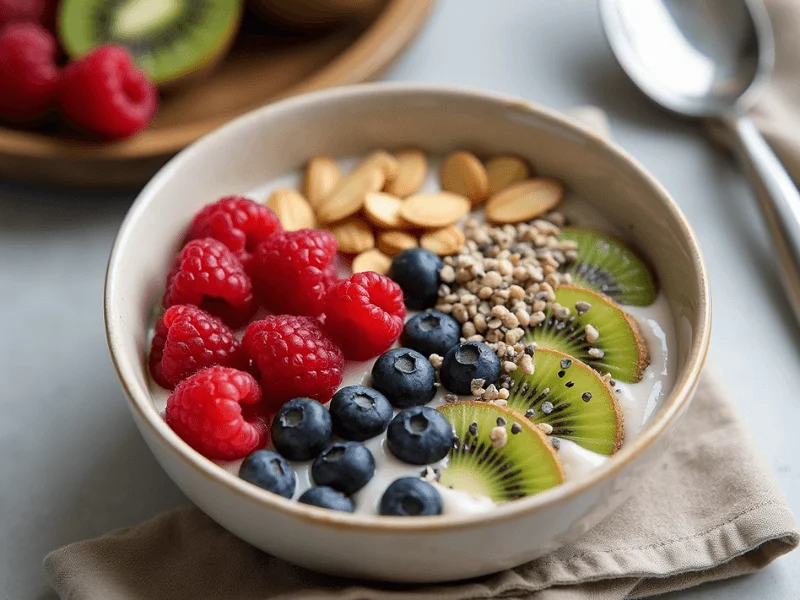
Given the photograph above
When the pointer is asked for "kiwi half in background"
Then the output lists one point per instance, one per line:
(572, 398)
(170, 40)
(527, 464)
(620, 349)
(609, 266)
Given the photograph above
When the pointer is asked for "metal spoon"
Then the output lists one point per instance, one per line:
(706, 59)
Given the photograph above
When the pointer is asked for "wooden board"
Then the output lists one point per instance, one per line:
(264, 65)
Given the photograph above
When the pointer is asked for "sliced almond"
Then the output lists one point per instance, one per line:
(524, 201)
(462, 173)
(394, 242)
(322, 175)
(372, 260)
(412, 168)
(434, 210)
(383, 210)
(448, 240)
(294, 211)
(386, 162)
(505, 171)
(353, 235)
(348, 195)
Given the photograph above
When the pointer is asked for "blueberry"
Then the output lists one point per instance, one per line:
(416, 271)
(405, 377)
(411, 497)
(419, 435)
(327, 497)
(344, 466)
(471, 360)
(359, 413)
(431, 333)
(301, 429)
(269, 470)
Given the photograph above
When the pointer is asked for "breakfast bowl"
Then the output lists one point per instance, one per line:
(276, 140)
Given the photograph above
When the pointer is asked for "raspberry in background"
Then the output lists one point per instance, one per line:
(206, 274)
(218, 412)
(364, 314)
(291, 271)
(106, 94)
(239, 223)
(188, 339)
(41, 12)
(295, 358)
(29, 75)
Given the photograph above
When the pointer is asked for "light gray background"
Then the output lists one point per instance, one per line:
(72, 464)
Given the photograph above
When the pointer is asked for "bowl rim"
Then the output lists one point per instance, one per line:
(141, 403)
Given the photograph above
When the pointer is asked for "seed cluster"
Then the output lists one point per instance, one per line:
(503, 280)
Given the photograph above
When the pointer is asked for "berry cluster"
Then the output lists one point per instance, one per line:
(237, 258)
(103, 93)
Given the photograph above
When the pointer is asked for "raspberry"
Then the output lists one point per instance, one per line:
(206, 411)
(25, 11)
(295, 357)
(289, 271)
(188, 339)
(106, 94)
(205, 273)
(364, 314)
(28, 72)
(237, 222)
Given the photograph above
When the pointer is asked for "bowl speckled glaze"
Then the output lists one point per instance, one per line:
(280, 138)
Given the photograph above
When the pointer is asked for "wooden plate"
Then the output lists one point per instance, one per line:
(264, 65)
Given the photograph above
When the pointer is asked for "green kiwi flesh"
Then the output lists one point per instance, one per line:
(527, 464)
(620, 349)
(609, 266)
(570, 397)
(169, 39)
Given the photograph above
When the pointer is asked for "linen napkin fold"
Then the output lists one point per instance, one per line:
(709, 510)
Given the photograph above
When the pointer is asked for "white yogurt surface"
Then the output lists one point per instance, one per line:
(638, 401)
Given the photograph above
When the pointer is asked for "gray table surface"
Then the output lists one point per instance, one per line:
(72, 464)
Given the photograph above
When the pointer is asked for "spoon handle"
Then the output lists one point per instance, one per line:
(779, 199)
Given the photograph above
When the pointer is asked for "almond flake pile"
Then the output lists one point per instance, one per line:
(502, 281)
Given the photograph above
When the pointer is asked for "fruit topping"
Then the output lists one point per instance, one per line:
(497, 453)
(571, 398)
(289, 271)
(359, 413)
(295, 358)
(609, 266)
(411, 497)
(405, 377)
(205, 273)
(431, 332)
(466, 363)
(419, 435)
(301, 429)
(344, 466)
(364, 314)
(207, 411)
(595, 330)
(170, 40)
(24, 11)
(238, 222)
(327, 497)
(28, 72)
(188, 339)
(106, 94)
(270, 471)
(416, 271)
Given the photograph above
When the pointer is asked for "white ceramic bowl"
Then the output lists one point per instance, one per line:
(280, 138)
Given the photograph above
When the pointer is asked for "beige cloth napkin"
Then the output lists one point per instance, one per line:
(709, 510)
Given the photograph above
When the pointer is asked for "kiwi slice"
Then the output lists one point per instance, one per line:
(524, 465)
(608, 265)
(619, 350)
(169, 39)
(571, 398)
